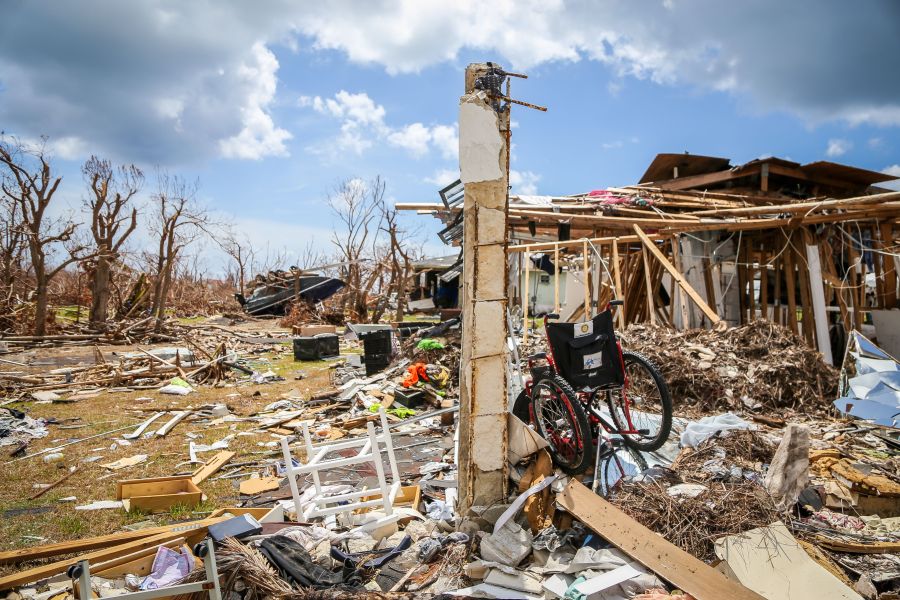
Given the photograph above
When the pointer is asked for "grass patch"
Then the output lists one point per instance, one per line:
(72, 524)
(71, 314)
(166, 456)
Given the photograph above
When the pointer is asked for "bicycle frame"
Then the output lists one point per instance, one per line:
(586, 398)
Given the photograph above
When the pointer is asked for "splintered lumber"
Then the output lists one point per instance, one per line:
(217, 462)
(867, 547)
(54, 568)
(102, 541)
(43, 491)
(667, 560)
(677, 276)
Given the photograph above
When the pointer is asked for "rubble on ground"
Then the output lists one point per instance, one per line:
(735, 474)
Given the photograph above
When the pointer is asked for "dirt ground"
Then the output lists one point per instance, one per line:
(44, 520)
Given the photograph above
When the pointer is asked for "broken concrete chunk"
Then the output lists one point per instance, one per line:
(789, 472)
(508, 546)
(518, 580)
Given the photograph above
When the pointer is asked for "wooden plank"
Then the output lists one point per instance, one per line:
(617, 280)
(817, 294)
(705, 179)
(43, 571)
(889, 267)
(556, 279)
(586, 275)
(751, 281)
(98, 568)
(743, 258)
(763, 282)
(648, 285)
(43, 491)
(102, 541)
(857, 292)
(670, 562)
(678, 292)
(777, 311)
(203, 473)
(651, 247)
(525, 293)
(808, 321)
(790, 284)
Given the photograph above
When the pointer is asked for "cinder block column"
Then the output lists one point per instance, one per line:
(483, 436)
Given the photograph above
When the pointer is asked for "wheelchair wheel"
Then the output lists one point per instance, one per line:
(648, 409)
(522, 407)
(560, 419)
(616, 464)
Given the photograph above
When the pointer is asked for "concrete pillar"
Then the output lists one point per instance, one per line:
(483, 440)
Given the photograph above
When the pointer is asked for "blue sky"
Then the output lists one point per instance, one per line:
(271, 106)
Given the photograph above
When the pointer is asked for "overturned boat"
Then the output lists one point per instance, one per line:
(273, 295)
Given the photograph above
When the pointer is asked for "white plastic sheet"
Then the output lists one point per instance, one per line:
(698, 432)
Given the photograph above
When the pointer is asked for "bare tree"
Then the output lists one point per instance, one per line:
(400, 259)
(177, 222)
(12, 249)
(310, 257)
(356, 206)
(28, 180)
(113, 219)
(239, 249)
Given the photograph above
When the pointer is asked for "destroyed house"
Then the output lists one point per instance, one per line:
(699, 241)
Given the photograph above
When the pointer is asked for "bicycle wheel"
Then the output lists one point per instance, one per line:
(615, 465)
(560, 419)
(648, 408)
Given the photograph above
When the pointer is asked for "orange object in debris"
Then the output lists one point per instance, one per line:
(416, 374)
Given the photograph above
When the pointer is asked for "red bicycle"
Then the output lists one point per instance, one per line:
(618, 392)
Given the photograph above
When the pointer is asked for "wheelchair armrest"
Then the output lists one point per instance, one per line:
(538, 356)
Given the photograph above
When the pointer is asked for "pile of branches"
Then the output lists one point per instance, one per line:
(760, 365)
(733, 502)
(694, 524)
(300, 313)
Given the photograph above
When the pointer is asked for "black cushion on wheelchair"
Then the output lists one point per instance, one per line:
(538, 356)
(586, 354)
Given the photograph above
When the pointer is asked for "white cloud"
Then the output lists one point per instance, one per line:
(443, 177)
(875, 143)
(446, 139)
(363, 123)
(838, 147)
(414, 138)
(895, 171)
(259, 136)
(168, 91)
(523, 182)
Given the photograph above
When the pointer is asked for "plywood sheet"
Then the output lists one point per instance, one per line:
(769, 561)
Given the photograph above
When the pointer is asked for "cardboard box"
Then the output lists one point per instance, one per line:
(158, 494)
(313, 330)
